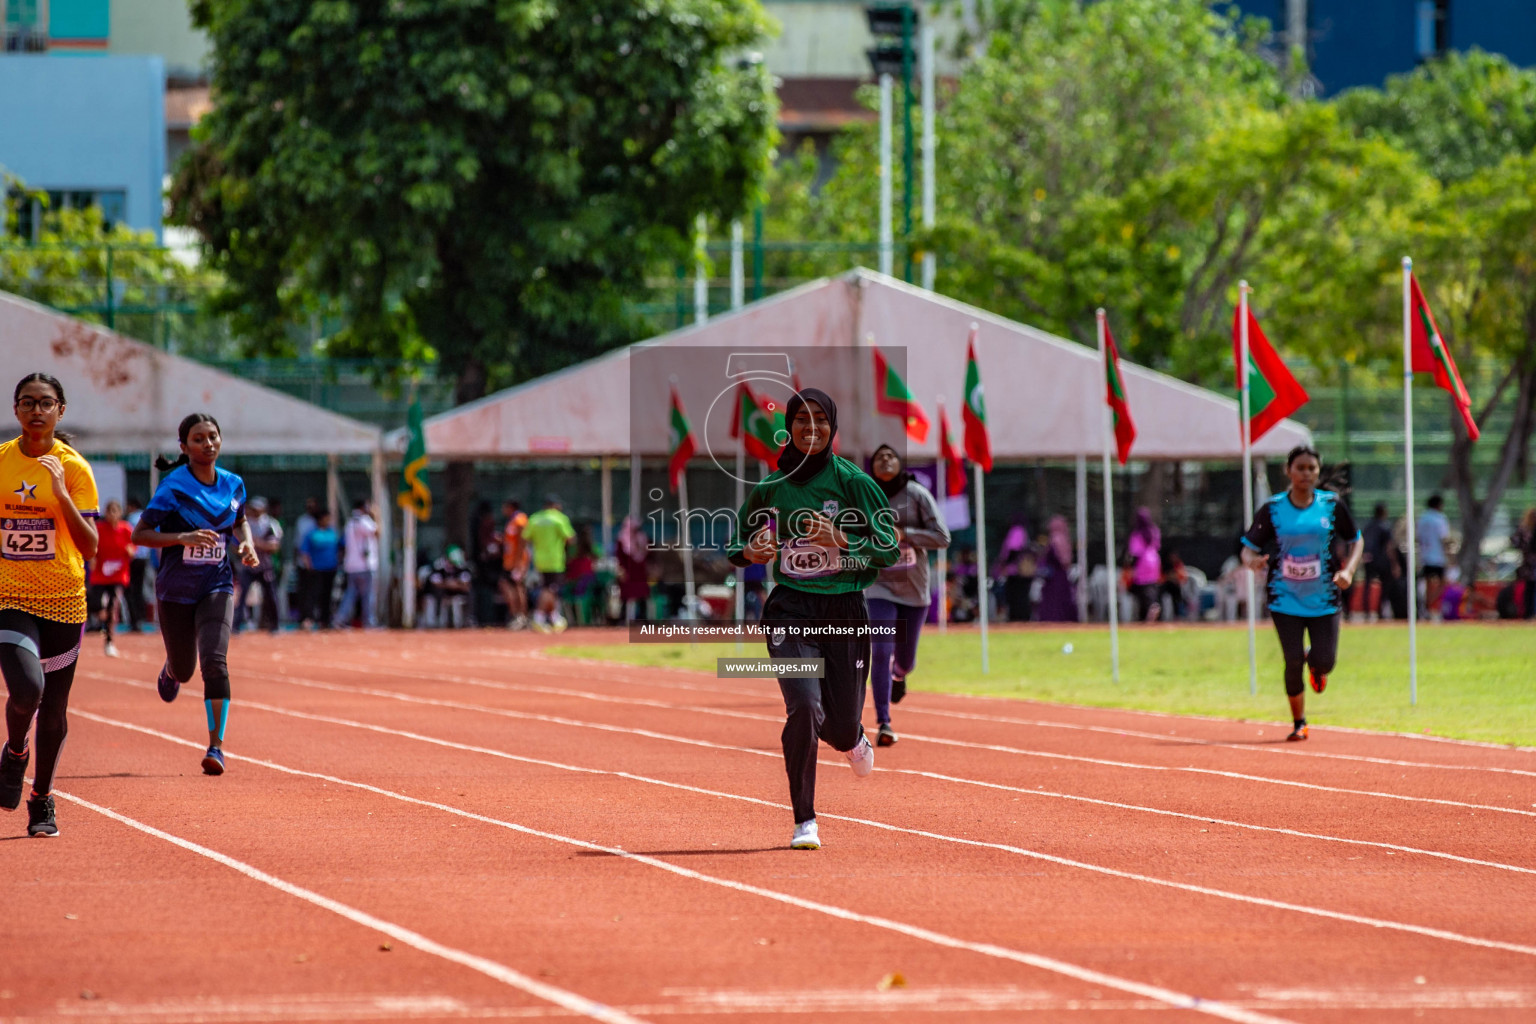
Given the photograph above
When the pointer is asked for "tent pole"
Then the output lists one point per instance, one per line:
(607, 480)
(386, 516)
(332, 489)
(941, 483)
(983, 576)
(690, 603)
(1082, 537)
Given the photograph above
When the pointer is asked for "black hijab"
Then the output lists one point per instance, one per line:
(794, 463)
(894, 485)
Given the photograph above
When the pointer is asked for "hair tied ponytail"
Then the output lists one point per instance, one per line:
(165, 465)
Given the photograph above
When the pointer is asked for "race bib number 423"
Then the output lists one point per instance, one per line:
(27, 540)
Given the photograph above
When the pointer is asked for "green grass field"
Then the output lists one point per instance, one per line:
(1476, 682)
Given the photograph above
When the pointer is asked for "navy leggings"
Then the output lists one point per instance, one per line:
(899, 655)
(37, 656)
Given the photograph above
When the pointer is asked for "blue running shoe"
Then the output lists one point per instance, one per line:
(13, 772)
(213, 762)
(168, 685)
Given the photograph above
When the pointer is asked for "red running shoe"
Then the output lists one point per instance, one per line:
(1297, 734)
(1319, 683)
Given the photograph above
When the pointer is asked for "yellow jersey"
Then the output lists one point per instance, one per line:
(42, 572)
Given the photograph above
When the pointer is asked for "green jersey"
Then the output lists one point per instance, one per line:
(844, 494)
(546, 533)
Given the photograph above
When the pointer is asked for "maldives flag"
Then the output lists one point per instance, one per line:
(1114, 395)
(1273, 393)
(757, 425)
(950, 458)
(978, 444)
(893, 399)
(682, 443)
(1432, 355)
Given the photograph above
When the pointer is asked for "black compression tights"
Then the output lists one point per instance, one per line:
(1294, 631)
(199, 632)
(37, 657)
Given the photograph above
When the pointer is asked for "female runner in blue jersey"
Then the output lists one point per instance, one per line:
(195, 514)
(1295, 535)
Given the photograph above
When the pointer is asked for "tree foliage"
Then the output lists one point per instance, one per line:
(479, 182)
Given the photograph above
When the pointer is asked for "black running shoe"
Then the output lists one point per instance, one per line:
(40, 820)
(887, 736)
(213, 762)
(168, 685)
(13, 772)
(898, 688)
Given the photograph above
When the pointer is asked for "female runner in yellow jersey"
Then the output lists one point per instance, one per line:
(47, 502)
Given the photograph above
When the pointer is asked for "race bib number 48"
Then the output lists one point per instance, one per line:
(1301, 570)
(802, 560)
(27, 540)
(204, 554)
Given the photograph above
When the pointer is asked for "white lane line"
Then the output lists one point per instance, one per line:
(1009, 848)
(541, 656)
(960, 715)
(490, 968)
(936, 776)
(1166, 996)
(939, 740)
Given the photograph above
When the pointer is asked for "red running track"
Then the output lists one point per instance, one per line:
(453, 826)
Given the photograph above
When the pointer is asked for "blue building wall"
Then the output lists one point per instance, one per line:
(1362, 42)
(92, 123)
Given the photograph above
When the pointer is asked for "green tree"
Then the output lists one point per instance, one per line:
(1470, 119)
(78, 265)
(480, 183)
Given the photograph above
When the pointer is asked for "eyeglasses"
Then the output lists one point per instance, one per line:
(41, 404)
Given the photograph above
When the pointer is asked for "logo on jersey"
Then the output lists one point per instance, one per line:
(829, 507)
(26, 492)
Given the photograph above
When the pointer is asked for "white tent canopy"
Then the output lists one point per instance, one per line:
(127, 397)
(1045, 394)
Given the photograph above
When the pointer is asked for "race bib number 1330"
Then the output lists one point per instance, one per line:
(27, 540)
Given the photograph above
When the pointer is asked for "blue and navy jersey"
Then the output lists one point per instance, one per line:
(187, 574)
(1300, 543)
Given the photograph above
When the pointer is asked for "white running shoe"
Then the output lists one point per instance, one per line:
(557, 623)
(862, 757)
(805, 837)
(111, 649)
(540, 622)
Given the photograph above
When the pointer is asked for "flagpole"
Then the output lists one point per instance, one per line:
(741, 499)
(1412, 552)
(983, 577)
(941, 482)
(1105, 429)
(1246, 389)
(408, 564)
(682, 497)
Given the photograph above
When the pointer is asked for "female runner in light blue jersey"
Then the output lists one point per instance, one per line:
(1294, 536)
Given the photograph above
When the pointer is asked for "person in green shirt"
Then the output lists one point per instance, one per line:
(547, 534)
(826, 527)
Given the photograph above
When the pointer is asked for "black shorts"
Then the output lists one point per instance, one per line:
(1434, 572)
(101, 595)
(552, 579)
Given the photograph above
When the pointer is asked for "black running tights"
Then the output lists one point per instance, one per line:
(37, 657)
(1294, 631)
(199, 632)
